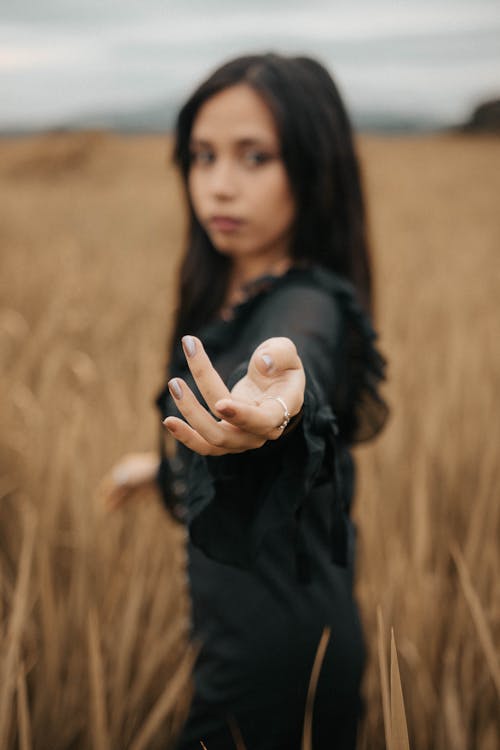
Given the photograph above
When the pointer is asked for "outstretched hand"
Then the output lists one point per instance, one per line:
(243, 418)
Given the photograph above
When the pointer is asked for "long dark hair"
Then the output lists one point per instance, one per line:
(320, 159)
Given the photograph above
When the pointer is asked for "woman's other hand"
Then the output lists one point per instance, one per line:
(244, 418)
(131, 474)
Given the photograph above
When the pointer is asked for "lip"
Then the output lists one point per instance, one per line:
(225, 223)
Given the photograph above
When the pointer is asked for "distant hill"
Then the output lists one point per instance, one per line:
(485, 118)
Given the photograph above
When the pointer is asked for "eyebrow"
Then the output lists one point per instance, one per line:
(241, 142)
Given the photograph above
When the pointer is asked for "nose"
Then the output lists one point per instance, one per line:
(223, 184)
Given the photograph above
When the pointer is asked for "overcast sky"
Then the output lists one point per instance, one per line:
(60, 59)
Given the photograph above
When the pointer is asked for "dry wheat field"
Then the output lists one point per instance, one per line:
(93, 606)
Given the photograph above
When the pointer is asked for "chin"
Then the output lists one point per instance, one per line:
(226, 247)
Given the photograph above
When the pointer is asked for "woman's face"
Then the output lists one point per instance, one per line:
(238, 184)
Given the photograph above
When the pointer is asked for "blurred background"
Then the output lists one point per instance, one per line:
(93, 605)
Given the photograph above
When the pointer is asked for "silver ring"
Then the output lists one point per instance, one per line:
(286, 415)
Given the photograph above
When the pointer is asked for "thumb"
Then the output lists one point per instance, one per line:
(275, 355)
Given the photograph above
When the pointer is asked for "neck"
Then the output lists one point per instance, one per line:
(245, 270)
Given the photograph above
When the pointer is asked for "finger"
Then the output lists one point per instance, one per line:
(273, 356)
(195, 414)
(206, 377)
(265, 417)
(218, 433)
(185, 434)
(277, 370)
(237, 440)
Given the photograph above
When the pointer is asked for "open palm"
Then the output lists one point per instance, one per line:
(248, 415)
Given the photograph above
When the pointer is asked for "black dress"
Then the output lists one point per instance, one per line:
(270, 542)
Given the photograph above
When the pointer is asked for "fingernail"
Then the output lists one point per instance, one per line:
(168, 426)
(189, 345)
(175, 388)
(268, 362)
(228, 411)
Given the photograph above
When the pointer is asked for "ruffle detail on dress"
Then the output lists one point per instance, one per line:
(368, 411)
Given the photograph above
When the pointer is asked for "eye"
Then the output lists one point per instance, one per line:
(202, 157)
(255, 158)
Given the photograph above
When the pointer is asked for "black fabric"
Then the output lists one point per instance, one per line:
(271, 544)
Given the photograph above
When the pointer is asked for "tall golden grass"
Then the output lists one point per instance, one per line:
(93, 608)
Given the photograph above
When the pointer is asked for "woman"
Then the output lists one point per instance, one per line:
(273, 376)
